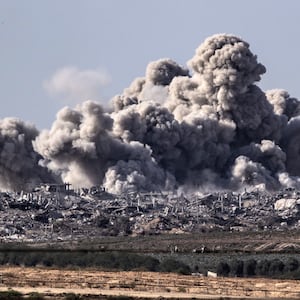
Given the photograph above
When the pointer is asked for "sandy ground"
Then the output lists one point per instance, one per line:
(143, 284)
(134, 294)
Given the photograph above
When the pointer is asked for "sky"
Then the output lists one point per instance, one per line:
(61, 52)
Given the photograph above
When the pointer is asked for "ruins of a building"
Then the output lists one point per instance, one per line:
(58, 212)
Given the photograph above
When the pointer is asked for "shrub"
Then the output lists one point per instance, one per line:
(262, 267)
(48, 260)
(172, 265)
(293, 275)
(10, 295)
(276, 267)
(250, 267)
(237, 268)
(151, 264)
(72, 296)
(121, 297)
(30, 260)
(223, 268)
(291, 265)
(35, 296)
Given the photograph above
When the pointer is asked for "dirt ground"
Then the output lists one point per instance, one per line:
(258, 242)
(54, 282)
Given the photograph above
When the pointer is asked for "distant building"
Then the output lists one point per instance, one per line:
(56, 187)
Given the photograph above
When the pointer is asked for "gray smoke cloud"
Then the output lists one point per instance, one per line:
(204, 126)
(283, 104)
(78, 144)
(19, 168)
(82, 148)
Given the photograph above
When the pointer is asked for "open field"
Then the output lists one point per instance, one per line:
(215, 241)
(54, 283)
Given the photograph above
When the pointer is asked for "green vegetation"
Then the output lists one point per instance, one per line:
(119, 298)
(121, 261)
(10, 295)
(35, 296)
(15, 295)
(274, 268)
(72, 296)
(171, 265)
(223, 268)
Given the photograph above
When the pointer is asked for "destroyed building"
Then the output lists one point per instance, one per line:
(54, 212)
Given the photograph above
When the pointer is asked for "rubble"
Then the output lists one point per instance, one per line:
(58, 213)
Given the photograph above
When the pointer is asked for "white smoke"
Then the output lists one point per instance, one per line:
(74, 85)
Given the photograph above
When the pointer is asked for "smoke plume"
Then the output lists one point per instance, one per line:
(204, 125)
(73, 85)
(19, 168)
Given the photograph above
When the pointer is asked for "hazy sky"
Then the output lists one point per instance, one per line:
(60, 52)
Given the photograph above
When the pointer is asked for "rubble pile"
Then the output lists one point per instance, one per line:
(55, 212)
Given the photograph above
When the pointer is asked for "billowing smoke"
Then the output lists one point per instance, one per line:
(204, 125)
(19, 168)
(82, 148)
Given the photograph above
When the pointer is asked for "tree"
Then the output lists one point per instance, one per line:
(172, 265)
(292, 265)
(263, 267)
(223, 268)
(249, 267)
(237, 268)
(276, 267)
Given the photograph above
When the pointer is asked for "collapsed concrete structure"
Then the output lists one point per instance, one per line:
(54, 212)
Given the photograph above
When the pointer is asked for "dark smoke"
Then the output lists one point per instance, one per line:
(209, 126)
(19, 163)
